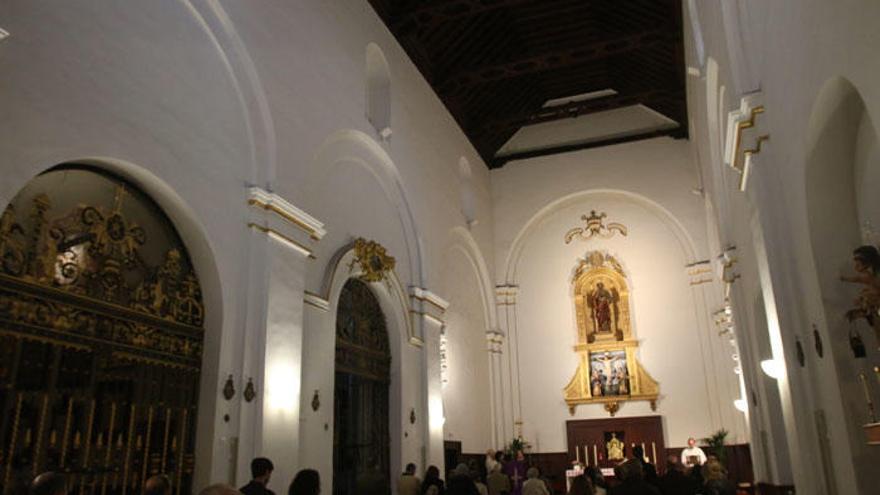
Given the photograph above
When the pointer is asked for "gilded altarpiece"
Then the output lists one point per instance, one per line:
(101, 337)
(608, 370)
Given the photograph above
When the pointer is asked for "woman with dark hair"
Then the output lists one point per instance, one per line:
(306, 482)
(581, 486)
(433, 485)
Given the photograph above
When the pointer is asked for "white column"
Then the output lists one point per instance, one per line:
(495, 349)
(427, 313)
(509, 362)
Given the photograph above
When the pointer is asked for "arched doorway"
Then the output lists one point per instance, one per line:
(100, 336)
(361, 440)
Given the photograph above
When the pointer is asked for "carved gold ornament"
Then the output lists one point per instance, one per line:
(374, 261)
(107, 289)
(82, 274)
(608, 371)
(595, 226)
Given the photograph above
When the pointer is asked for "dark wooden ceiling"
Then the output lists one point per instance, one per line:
(494, 63)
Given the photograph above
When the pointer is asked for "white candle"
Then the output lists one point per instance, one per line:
(654, 451)
(644, 454)
(577, 454)
(595, 458)
(586, 456)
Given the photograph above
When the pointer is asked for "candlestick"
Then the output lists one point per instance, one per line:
(595, 458)
(864, 380)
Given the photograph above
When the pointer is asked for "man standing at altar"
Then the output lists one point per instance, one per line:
(516, 471)
(693, 455)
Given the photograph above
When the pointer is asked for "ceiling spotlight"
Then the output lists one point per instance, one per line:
(773, 368)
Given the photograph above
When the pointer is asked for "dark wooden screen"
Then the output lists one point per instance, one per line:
(361, 441)
(100, 337)
(644, 431)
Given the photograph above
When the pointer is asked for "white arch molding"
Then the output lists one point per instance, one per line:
(202, 257)
(357, 147)
(464, 243)
(511, 263)
(244, 77)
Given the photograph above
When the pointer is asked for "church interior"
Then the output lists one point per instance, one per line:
(540, 244)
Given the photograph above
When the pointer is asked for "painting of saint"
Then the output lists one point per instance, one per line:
(608, 373)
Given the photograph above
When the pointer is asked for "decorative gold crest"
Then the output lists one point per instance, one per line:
(595, 226)
(374, 261)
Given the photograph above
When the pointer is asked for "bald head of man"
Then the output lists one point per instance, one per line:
(49, 483)
(219, 489)
(157, 485)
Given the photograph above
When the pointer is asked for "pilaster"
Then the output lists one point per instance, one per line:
(495, 350)
(281, 247)
(427, 310)
(510, 403)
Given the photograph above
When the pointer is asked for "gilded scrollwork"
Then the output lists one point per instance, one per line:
(594, 226)
(373, 260)
(98, 295)
(12, 250)
(70, 321)
(95, 252)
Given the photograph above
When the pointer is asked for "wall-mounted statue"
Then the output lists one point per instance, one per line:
(866, 262)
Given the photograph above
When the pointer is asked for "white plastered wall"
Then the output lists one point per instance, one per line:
(197, 101)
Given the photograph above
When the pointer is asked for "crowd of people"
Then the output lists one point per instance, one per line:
(306, 482)
(503, 475)
(500, 475)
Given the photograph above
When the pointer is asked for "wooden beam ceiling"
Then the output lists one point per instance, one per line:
(494, 63)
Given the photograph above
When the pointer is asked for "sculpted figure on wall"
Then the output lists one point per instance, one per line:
(603, 306)
(866, 262)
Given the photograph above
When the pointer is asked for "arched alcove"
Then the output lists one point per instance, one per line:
(467, 194)
(117, 323)
(841, 166)
(350, 149)
(467, 401)
(378, 91)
